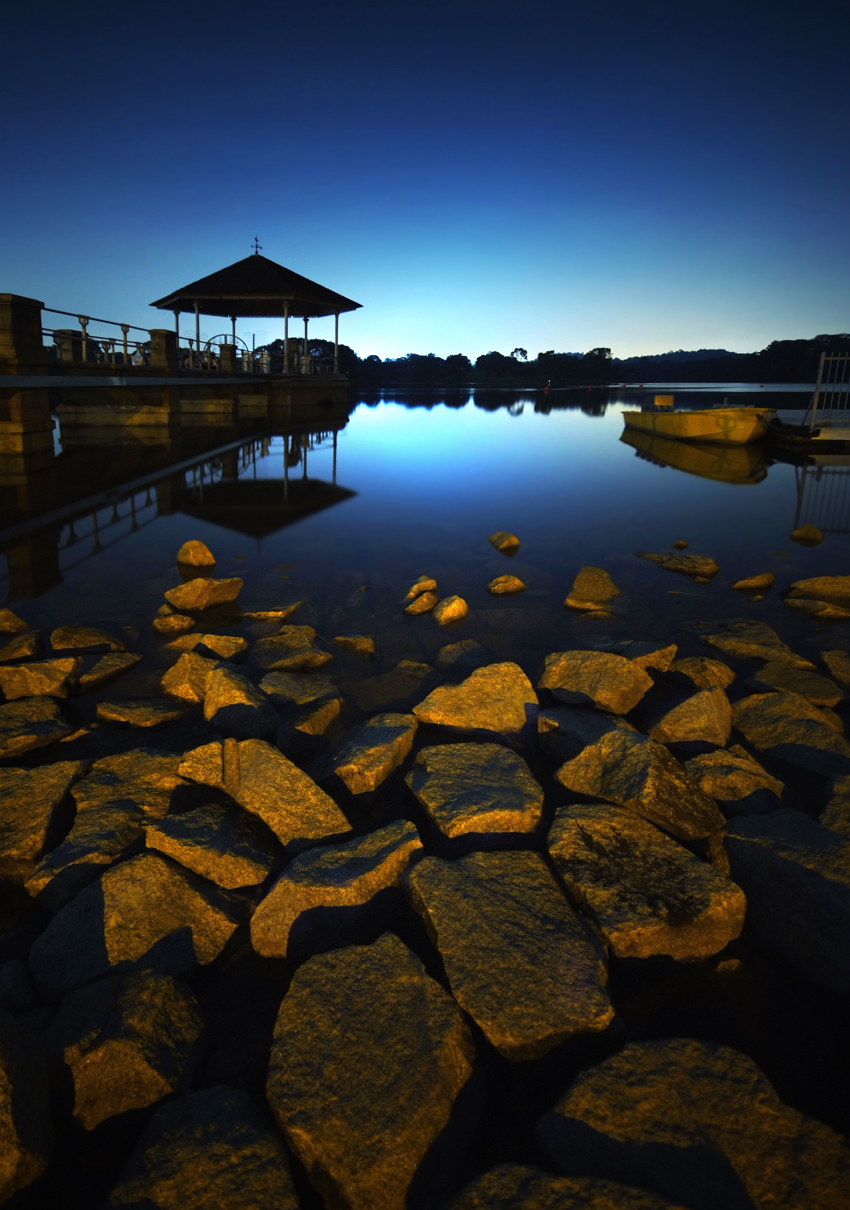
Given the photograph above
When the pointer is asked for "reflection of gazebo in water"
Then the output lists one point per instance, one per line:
(257, 287)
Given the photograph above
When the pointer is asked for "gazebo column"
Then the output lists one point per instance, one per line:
(304, 362)
(233, 322)
(336, 353)
(198, 332)
(286, 338)
(177, 326)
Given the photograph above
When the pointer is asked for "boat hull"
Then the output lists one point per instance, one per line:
(729, 426)
(724, 463)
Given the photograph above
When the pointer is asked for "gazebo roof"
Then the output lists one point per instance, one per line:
(256, 287)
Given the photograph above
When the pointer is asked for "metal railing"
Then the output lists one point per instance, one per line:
(823, 498)
(830, 403)
(98, 349)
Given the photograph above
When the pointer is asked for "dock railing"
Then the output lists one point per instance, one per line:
(830, 405)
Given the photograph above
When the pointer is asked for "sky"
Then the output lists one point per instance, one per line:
(478, 175)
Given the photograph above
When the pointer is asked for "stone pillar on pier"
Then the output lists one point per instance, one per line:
(22, 348)
(227, 358)
(69, 344)
(163, 349)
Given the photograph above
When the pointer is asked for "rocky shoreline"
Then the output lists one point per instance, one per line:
(277, 937)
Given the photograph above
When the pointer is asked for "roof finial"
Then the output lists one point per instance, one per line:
(256, 246)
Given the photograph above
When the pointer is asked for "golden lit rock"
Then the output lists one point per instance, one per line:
(66, 638)
(236, 707)
(423, 584)
(735, 780)
(318, 717)
(274, 615)
(368, 1057)
(755, 583)
(476, 788)
(204, 765)
(746, 640)
(505, 586)
(518, 957)
(21, 647)
(189, 679)
(647, 893)
(815, 688)
(195, 554)
(522, 1187)
(100, 836)
(30, 813)
(106, 669)
(296, 689)
(806, 535)
(173, 623)
(423, 604)
(496, 698)
(224, 844)
(699, 567)
(10, 623)
(822, 611)
(450, 609)
(139, 711)
(591, 588)
(224, 645)
(705, 716)
(341, 876)
(30, 722)
(703, 673)
(201, 593)
(358, 644)
(651, 655)
(145, 777)
(610, 682)
(507, 543)
(786, 726)
(371, 751)
(26, 1131)
(290, 649)
(47, 678)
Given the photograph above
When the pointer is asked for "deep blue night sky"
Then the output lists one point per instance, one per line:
(478, 175)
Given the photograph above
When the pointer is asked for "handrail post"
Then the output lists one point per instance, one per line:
(817, 389)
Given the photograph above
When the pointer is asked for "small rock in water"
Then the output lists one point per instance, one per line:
(833, 589)
(746, 640)
(755, 583)
(370, 752)
(647, 893)
(423, 604)
(223, 844)
(236, 707)
(697, 566)
(66, 638)
(29, 723)
(591, 588)
(497, 698)
(680, 545)
(126, 1042)
(705, 716)
(341, 876)
(391, 690)
(423, 584)
(10, 623)
(450, 609)
(25, 1123)
(224, 645)
(815, 688)
(201, 594)
(47, 678)
(359, 644)
(139, 711)
(195, 554)
(189, 679)
(736, 780)
(468, 653)
(274, 615)
(505, 586)
(106, 669)
(30, 813)
(173, 623)
(821, 611)
(702, 673)
(507, 543)
(806, 535)
(610, 682)
(290, 649)
(786, 726)
(476, 788)
(22, 647)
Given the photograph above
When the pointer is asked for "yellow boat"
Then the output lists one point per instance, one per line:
(731, 426)
(707, 459)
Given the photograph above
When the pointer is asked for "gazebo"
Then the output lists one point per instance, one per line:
(258, 287)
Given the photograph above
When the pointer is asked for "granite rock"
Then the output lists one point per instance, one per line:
(236, 707)
(101, 836)
(705, 716)
(450, 609)
(47, 678)
(468, 653)
(507, 543)
(736, 781)
(296, 689)
(29, 723)
(225, 646)
(291, 649)
(143, 777)
(10, 623)
(748, 640)
(505, 586)
(25, 1126)
(519, 960)
(591, 588)
(358, 644)
(31, 803)
(107, 668)
(755, 583)
(476, 788)
(391, 690)
(21, 647)
(497, 698)
(821, 611)
(836, 813)
(173, 623)
(835, 590)
(195, 554)
(608, 681)
(817, 689)
(701, 672)
(139, 711)
(786, 726)
(189, 679)
(423, 603)
(88, 638)
(651, 655)
(699, 567)
(195, 595)
(523, 1187)
(423, 584)
(370, 752)
(221, 843)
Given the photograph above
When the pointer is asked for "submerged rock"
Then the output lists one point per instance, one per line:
(106, 669)
(610, 682)
(786, 726)
(369, 753)
(519, 959)
(423, 604)
(705, 716)
(236, 707)
(25, 1126)
(496, 698)
(735, 780)
(212, 1148)
(195, 554)
(699, 567)
(173, 623)
(522, 1187)
(274, 615)
(126, 1042)
(476, 788)
(450, 609)
(591, 588)
(817, 689)
(295, 689)
(423, 584)
(748, 640)
(507, 543)
(22, 647)
(342, 876)
(468, 653)
(201, 593)
(30, 803)
(755, 583)
(702, 673)
(833, 589)
(223, 844)
(821, 611)
(838, 665)
(291, 649)
(10, 623)
(29, 723)
(698, 1123)
(358, 644)
(139, 711)
(647, 893)
(391, 690)
(368, 1057)
(101, 836)
(505, 586)
(189, 679)
(226, 646)
(89, 638)
(146, 910)
(48, 678)
(806, 535)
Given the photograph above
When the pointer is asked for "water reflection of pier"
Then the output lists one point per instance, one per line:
(823, 495)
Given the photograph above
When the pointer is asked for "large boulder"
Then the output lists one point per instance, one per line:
(519, 959)
(498, 698)
(600, 678)
(45, 678)
(369, 753)
(647, 893)
(143, 777)
(523, 1187)
(31, 803)
(26, 1134)
(213, 1148)
(31, 722)
(796, 876)
(736, 781)
(147, 911)
(236, 707)
(782, 676)
(705, 717)
(786, 726)
(476, 788)
(202, 593)
(100, 836)
(126, 1041)
(222, 843)
(369, 1055)
(189, 679)
(744, 639)
(833, 589)
(700, 672)
(698, 1123)
(342, 876)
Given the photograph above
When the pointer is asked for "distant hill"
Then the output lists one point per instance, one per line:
(680, 355)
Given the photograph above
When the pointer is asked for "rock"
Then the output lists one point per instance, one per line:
(498, 698)
(146, 911)
(806, 535)
(610, 682)
(833, 589)
(822, 611)
(838, 664)
(507, 543)
(223, 844)
(591, 588)
(466, 654)
(317, 718)
(29, 723)
(450, 609)
(189, 679)
(368, 1057)
(66, 638)
(519, 960)
(477, 788)
(647, 894)
(705, 716)
(126, 1042)
(359, 644)
(226, 646)
(423, 604)
(106, 669)
(342, 876)
(735, 780)
(698, 1123)
(173, 623)
(290, 649)
(274, 615)
(796, 876)
(505, 586)
(697, 566)
(25, 1126)
(201, 593)
(264, 782)
(703, 673)
(144, 777)
(817, 689)
(680, 545)
(755, 583)
(565, 731)
(10, 623)
(212, 1148)
(632, 770)
(423, 584)
(195, 554)
(746, 640)
(293, 689)
(22, 647)
(522, 1187)
(836, 813)
(139, 711)
(650, 655)
(16, 991)
(786, 726)
(391, 690)
(369, 753)
(101, 836)
(30, 806)
(236, 707)
(47, 678)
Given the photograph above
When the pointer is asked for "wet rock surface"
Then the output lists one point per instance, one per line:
(295, 689)
(833, 589)
(107, 668)
(696, 566)
(173, 623)
(369, 1055)
(592, 588)
(518, 958)
(399, 687)
(608, 681)
(476, 788)
(422, 603)
(10, 623)
(817, 689)
(235, 706)
(25, 1128)
(786, 726)
(698, 1123)
(139, 711)
(450, 609)
(497, 698)
(706, 716)
(31, 801)
(423, 584)
(468, 653)
(30, 723)
(369, 753)
(51, 678)
(523, 1187)
(358, 644)
(647, 893)
(290, 649)
(736, 781)
(746, 640)
(223, 844)
(651, 655)
(702, 672)
(225, 646)
(89, 638)
(201, 593)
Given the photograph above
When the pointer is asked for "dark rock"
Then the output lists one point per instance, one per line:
(370, 752)
(223, 844)
(651, 655)
(836, 813)
(821, 611)
(833, 589)
(838, 664)
(736, 780)
(476, 788)
(755, 583)
(87, 638)
(697, 566)
(22, 647)
(139, 711)
(705, 716)
(16, 990)
(507, 543)
(31, 722)
(106, 669)
(786, 726)
(10, 623)
(290, 649)
(358, 644)
(701, 672)
(25, 1128)
(30, 805)
(296, 689)
(747, 640)
(522, 1187)
(466, 654)
(498, 698)
(100, 836)
(237, 708)
(817, 689)
(608, 681)
(390, 690)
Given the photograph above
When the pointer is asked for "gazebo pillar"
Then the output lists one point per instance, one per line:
(286, 338)
(198, 331)
(305, 335)
(177, 326)
(233, 322)
(336, 350)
